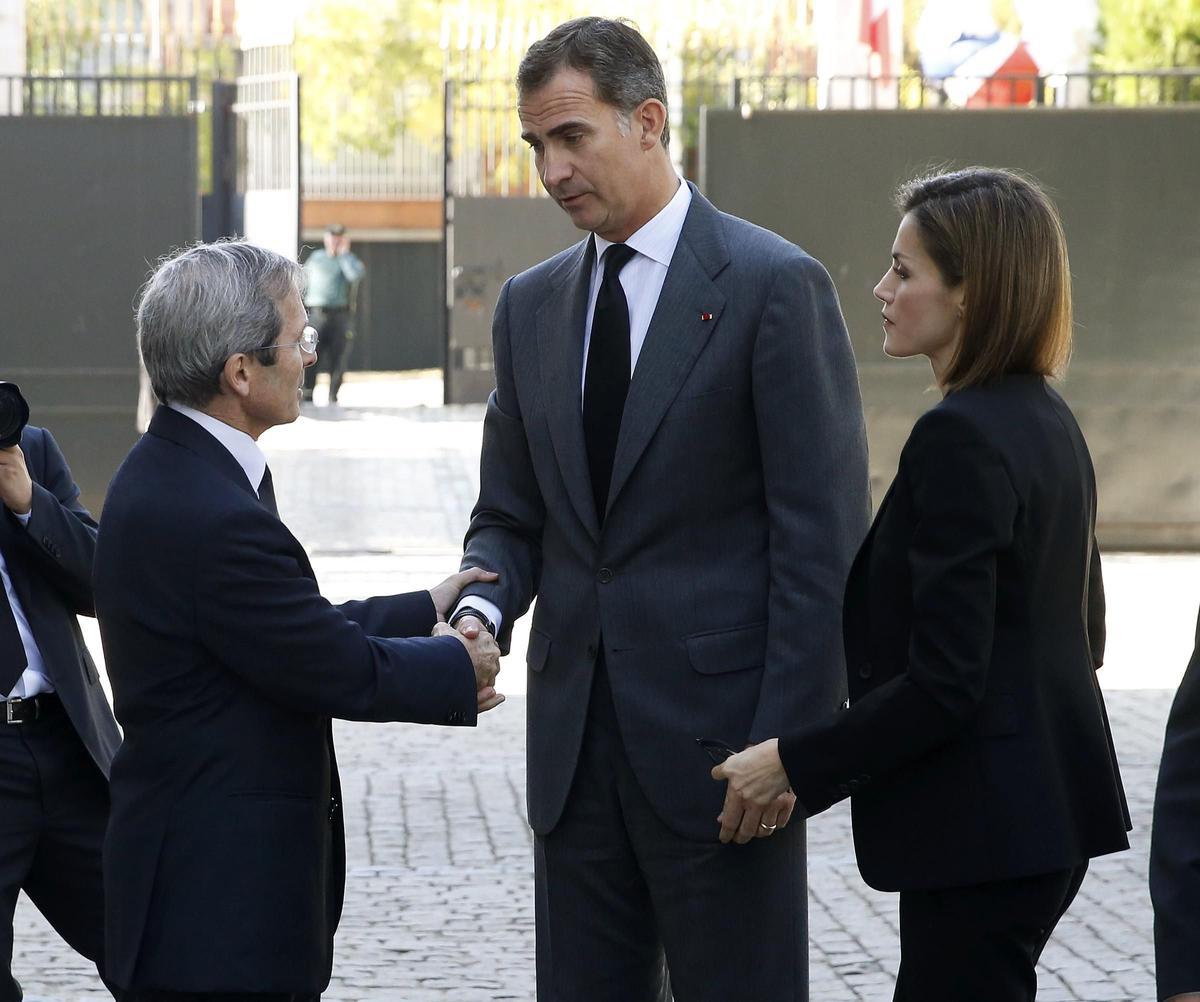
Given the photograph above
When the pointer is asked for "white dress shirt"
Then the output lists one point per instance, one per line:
(239, 445)
(642, 280)
(34, 679)
(643, 276)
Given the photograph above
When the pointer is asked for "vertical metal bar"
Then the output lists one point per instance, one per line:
(297, 174)
(447, 235)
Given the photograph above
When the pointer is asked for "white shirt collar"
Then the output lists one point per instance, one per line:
(658, 237)
(240, 445)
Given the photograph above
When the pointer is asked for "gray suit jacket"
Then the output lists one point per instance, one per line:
(739, 496)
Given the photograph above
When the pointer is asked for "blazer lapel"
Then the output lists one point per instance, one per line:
(688, 311)
(560, 323)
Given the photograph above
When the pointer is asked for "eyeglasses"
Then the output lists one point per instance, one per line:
(307, 343)
(718, 751)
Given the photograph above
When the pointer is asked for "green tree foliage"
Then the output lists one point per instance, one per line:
(1148, 34)
(369, 69)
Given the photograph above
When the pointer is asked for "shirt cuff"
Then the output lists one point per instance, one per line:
(483, 605)
(24, 519)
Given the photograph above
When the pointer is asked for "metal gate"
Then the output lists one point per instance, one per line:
(265, 133)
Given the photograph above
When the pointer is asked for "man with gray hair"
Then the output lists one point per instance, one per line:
(674, 461)
(224, 861)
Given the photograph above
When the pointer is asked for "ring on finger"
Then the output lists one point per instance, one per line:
(767, 828)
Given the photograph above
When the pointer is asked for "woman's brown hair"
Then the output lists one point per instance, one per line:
(999, 233)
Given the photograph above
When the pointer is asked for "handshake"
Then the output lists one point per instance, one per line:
(481, 645)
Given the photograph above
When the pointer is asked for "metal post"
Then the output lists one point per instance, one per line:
(447, 236)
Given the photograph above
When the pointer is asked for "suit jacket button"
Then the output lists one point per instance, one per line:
(604, 576)
(591, 651)
(864, 670)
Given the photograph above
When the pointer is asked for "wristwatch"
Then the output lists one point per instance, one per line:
(468, 610)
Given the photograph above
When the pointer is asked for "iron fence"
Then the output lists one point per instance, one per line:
(268, 140)
(137, 96)
(488, 156)
(911, 91)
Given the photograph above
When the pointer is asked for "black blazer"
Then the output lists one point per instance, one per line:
(50, 563)
(224, 863)
(1175, 843)
(976, 743)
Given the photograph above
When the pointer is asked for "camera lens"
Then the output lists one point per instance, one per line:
(14, 414)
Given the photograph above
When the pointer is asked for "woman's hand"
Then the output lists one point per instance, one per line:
(758, 799)
(445, 595)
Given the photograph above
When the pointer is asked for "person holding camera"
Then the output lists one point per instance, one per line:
(57, 732)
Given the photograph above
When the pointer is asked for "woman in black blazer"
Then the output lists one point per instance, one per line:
(976, 745)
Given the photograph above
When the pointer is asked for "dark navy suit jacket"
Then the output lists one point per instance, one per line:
(976, 745)
(50, 562)
(225, 857)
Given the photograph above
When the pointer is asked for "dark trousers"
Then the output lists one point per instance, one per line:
(983, 942)
(627, 910)
(154, 995)
(333, 349)
(53, 810)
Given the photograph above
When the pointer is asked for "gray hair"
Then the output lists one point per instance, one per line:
(205, 303)
(623, 67)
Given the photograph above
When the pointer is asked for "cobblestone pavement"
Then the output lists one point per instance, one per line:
(439, 903)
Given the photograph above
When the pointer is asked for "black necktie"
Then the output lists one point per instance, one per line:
(13, 661)
(266, 493)
(606, 381)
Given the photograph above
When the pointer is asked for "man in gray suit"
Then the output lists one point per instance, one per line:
(674, 462)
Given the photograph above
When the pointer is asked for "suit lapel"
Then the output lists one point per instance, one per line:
(677, 334)
(560, 324)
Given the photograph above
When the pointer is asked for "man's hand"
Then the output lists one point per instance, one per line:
(758, 800)
(16, 486)
(485, 659)
(445, 595)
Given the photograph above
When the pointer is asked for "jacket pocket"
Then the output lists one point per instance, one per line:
(720, 651)
(538, 650)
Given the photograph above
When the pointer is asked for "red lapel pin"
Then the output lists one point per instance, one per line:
(705, 316)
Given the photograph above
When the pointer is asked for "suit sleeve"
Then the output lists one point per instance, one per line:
(264, 619)
(1175, 842)
(965, 508)
(814, 461)
(505, 534)
(409, 615)
(60, 536)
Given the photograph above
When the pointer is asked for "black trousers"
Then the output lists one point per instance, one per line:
(53, 811)
(333, 350)
(983, 942)
(629, 911)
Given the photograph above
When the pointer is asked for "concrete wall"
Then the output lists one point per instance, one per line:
(493, 238)
(400, 320)
(1125, 182)
(88, 205)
